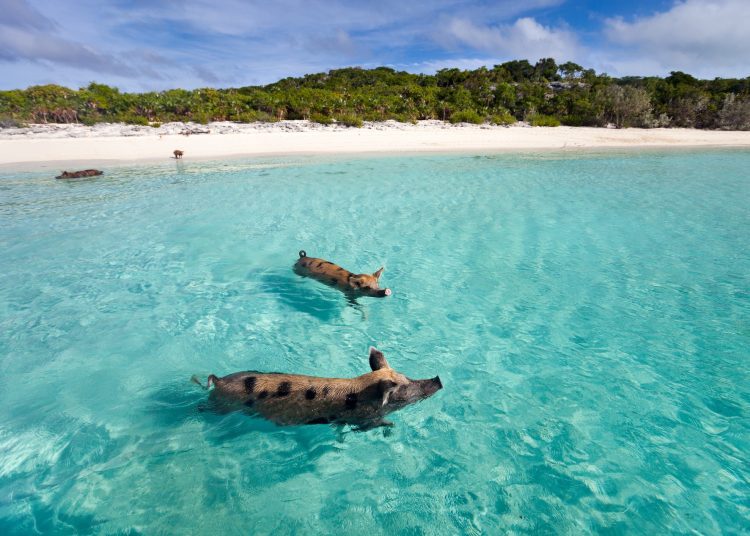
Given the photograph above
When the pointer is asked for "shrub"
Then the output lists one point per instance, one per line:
(246, 117)
(735, 113)
(371, 115)
(155, 125)
(467, 116)
(259, 116)
(579, 120)
(502, 118)
(320, 118)
(401, 118)
(349, 120)
(541, 120)
(405, 118)
(267, 117)
(132, 119)
(631, 107)
(252, 116)
(202, 118)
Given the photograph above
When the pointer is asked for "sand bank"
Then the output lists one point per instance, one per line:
(127, 143)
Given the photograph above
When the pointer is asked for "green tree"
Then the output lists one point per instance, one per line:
(546, 70)
(570, 70)
(626, 106)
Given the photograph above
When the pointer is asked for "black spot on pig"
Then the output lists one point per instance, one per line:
(310, 393)
(249, 384)
(283, 389)
(263, 394)
(351, 401)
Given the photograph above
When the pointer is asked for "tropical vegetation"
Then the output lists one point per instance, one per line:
(544, 93)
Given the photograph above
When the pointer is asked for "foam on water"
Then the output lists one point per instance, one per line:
(588, 314)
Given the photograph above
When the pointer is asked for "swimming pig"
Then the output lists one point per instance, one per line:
(288, 399)
(79, 174)
(334, 275)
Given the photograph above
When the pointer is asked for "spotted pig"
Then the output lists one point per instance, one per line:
(289, 399)
(336, 276)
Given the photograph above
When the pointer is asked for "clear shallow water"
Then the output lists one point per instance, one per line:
(589, 316)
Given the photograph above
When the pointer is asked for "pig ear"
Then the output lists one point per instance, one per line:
(377, 359)
(386, 387)
(377, 274)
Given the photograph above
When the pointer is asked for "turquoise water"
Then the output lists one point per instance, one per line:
(589, 316)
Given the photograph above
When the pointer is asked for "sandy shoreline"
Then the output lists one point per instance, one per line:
(68, 144)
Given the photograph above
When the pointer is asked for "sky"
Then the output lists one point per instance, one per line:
(144, 45)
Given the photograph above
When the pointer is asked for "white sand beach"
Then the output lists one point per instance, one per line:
(79, 144)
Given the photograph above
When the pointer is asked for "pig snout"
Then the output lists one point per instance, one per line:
(430, 387)
(383, 292)
(433, 386)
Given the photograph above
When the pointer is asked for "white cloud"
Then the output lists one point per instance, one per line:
(254, 18)
(17, 45)
(19, 14)
(525, 38)
(704, 37)
(155, 44)
(32, 42)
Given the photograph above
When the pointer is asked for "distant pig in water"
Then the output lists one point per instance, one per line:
(288, 399)
(335, 276)
(79, 174)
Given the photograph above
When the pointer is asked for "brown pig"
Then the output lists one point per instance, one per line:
(79, 174)
(336, 276)
(288, 399)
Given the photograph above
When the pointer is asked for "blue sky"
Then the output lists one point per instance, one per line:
(157, 44)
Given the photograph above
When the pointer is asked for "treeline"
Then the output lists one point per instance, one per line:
(544, 93)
